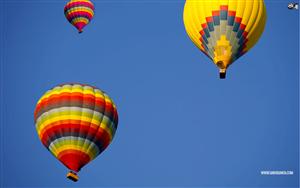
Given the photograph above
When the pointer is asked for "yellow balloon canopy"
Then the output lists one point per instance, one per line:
(224, 30)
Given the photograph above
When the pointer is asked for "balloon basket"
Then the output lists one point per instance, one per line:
(222, 73)
(72, 176)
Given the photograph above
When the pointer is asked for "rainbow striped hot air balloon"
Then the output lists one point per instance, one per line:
(75, 122)
(224, 30)
(79, 13)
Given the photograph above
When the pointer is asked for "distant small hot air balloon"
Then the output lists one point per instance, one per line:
(75, 122)
(79, 13)
(224, 30)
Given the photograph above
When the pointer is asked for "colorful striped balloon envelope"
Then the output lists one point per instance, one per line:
(79, 13)
(224, 30)
(75, 122)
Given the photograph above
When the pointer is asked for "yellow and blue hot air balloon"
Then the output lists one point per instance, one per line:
(79, 13)
(75, 122)
(224, 30)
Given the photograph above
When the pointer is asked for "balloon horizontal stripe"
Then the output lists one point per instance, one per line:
(75, 95)
(84, 18)
(78, 10)
(88, 102)
(81, 19)
(79, 23)
(101, 144)
(73, 98)
(65, 147)
(103, 124)
(67, 110)
(78, 15)
(99, 136)
(73, 159)
(74, 111)
(77, 143)
(79, 4)
(64, 125)
(74, 91)
(72, 1)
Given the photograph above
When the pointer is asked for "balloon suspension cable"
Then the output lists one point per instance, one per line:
(72, 176)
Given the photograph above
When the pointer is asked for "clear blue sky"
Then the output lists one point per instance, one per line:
(179, 124)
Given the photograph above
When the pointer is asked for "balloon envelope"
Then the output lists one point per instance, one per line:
(75, 122)
(224, 30)
(79, 13)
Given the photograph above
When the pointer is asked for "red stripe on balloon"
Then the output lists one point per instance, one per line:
(73, 159)
(86, 129)
(209, 19)
(69, 97)
(238, 20)
(204, 25)
(245, 34)
(202, 33)
(75, 4)
(74, 97)
(231, 13)
(201, 40)
(242, 27)
(78, 14)
(224, 7)
(216, 13)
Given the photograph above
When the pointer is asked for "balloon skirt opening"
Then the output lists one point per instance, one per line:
(72, 176)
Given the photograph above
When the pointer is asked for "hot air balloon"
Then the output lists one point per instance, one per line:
(75, 122)
(79, 13)
(224, 30)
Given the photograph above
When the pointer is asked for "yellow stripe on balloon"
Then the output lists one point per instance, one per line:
(68, 111)
(83, 125)
(60, 149)
(247, 12)
(80, 1)
(192, 25)
(84, 90)
(81, 9)
(232, 5)
(70, 117)
(95, 121)
(85, 145)
(258, 27)
(52, 119)
(240, 8)
(251, 19)
(80, 19)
